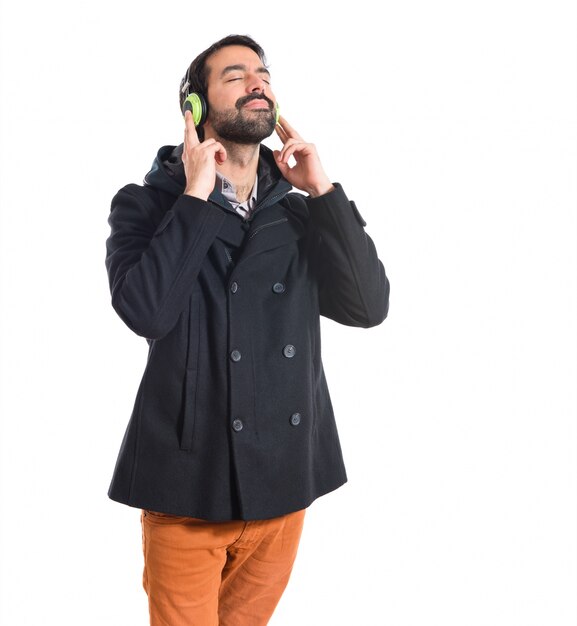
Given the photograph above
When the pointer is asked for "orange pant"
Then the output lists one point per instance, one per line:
(208, 573)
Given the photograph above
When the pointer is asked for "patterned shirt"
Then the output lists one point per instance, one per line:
(228, 190)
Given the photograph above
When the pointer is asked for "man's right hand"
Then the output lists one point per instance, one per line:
(200, 161)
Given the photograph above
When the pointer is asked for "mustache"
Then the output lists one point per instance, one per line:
(254, 96)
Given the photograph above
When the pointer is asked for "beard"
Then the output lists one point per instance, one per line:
(244, 126)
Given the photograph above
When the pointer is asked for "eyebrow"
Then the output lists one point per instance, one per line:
(242, 68)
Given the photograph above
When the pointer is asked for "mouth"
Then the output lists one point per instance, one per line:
(257, 104)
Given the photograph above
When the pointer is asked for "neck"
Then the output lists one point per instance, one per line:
(239, 157)
(241, 163)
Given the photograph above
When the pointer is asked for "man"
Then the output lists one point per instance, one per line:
(225, 271)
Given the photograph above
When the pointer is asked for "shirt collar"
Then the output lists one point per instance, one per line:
(228, 190)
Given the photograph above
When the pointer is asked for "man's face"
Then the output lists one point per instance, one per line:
(241, 103)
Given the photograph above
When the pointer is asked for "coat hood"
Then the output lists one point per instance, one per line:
(167, 174)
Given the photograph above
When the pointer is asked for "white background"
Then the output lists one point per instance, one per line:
(453, 125)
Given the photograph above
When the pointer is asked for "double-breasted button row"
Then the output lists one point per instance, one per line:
(289, 351)
(295, 420)
(277, 287)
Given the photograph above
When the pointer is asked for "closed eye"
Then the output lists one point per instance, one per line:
(231, 80)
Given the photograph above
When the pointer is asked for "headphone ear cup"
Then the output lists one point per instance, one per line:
(196, 104)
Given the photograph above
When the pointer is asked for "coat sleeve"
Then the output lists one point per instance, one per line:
(152, 266)
(353, 286)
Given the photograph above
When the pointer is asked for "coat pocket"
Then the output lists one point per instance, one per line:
(191, 376)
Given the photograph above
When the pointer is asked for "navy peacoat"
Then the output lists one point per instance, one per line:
(233, 418)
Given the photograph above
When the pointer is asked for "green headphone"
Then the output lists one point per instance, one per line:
(197, 105)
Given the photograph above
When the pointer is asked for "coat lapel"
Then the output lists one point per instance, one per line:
(271, 228)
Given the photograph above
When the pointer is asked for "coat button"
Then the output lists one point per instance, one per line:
(234, 287)
(237, 425)
(278, 288)
(289, 351)
(295, 419)
(235, 356)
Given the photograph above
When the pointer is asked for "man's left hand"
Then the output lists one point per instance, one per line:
(307, 174)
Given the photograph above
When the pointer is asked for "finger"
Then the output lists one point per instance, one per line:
(215, 148)
(288, 129)
(220, 153)
(283, 167)
(281, 133)
(293, 148)
(189, 150)
(290, 142)
(190, 134)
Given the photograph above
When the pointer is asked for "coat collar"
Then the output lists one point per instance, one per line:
(264, 230)
(167, 174)
(271, 185)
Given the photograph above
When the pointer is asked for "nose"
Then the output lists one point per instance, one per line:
(256, 84)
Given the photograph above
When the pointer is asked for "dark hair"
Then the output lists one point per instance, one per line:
(196, 77)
